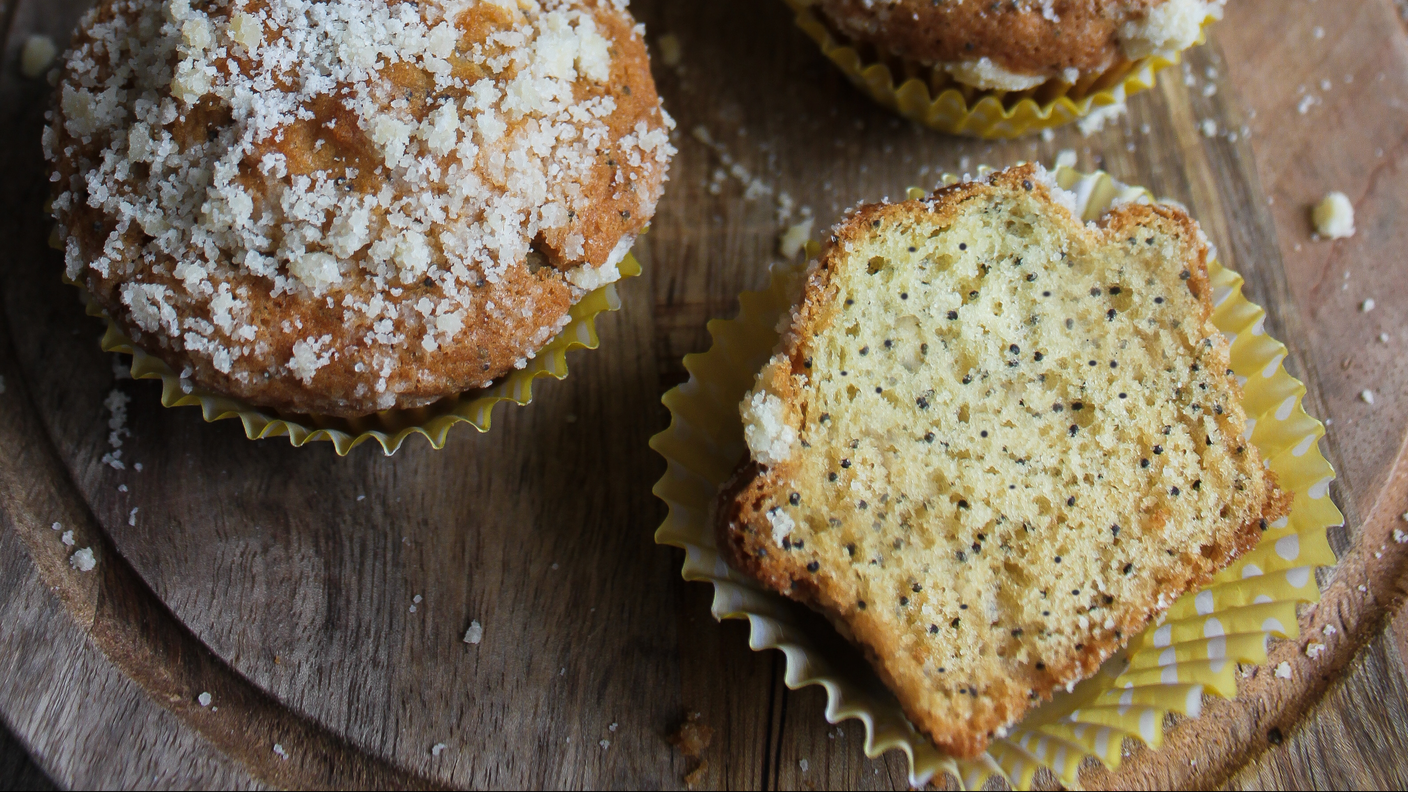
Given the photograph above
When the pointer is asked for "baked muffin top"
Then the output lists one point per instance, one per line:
(342, 206)
(1019, 44)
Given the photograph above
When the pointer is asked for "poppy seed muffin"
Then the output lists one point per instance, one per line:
(1017, 45)
(995, 443)
(348, 206)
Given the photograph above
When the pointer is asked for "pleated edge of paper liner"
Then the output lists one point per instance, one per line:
(996, 114)
(389, 428)
(1195, 647)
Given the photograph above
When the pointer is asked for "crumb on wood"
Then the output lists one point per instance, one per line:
(692, 736)
(695, 777)
(691, 739)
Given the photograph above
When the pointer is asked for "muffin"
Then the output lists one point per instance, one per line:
(344, 207)
(995, 443)
(1041, 51)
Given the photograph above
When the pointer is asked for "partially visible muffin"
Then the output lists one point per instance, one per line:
(1017, 45)
(347, 206)
(995, 443)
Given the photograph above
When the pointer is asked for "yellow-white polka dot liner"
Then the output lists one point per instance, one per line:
(1193, 650)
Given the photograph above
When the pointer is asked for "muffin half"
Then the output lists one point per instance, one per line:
(995, 443)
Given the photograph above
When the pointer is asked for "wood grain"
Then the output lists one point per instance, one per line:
(282, 580)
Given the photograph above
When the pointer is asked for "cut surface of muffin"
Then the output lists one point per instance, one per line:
(346, 206)
(995, 444)
(1015, 46)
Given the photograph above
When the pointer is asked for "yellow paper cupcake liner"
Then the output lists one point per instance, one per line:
(935, 100)
(1193, 650)
(390, 428)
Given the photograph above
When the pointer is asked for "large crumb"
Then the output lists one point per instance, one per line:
(83, 560)
(37, 56)
(691, 739)
(1334, 216)
(693, 736)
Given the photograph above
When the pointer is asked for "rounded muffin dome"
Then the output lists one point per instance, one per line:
(343, 206)
(1016, 45)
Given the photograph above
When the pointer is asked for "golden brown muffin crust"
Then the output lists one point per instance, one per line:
(482, 230)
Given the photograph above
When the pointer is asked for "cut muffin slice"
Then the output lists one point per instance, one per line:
(995, 444)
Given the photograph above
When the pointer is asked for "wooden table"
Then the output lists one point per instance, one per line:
(281, 580)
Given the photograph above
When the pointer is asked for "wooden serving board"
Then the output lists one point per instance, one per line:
(282, 580)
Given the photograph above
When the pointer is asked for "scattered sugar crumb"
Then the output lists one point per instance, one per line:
(1067, 158)
(1313, 649)
(67, 538)
(1399, 536)
(83, 560)
(413, 609)
(1097, 119)
(57, 526)
(1367, 305)
(37, 56)
(437, 749)
(753, 186)
(132, 516)
(116, 402)
(279, 749)
(121, 487)
(1367, 396)
(1328, 629)
(1363, 589)
(612, 727)
(204, 699)
(802, 763)
(1048, 135)
(137, 467)
(1334, 216)
(417, 599)
(475, 633)
(1283, 671)
(1319, 32)
(670, 50)
(361, 497)
(604, 744)
(1383, 338)
(794, 239)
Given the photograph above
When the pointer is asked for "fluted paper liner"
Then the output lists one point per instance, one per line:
(949, 106)
(390, 428)
(1193, 650)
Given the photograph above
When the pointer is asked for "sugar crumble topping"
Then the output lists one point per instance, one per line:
(401, 166)
(765, 428)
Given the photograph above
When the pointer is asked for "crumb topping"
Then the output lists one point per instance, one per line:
(400, 176)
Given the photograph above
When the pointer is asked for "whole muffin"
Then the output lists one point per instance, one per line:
(1017, 45)
(345, 206)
